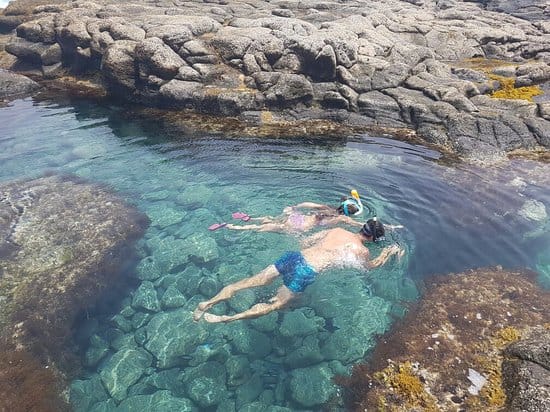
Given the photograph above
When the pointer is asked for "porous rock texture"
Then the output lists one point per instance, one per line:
(62, 243)
(477, 341)
(398, 64)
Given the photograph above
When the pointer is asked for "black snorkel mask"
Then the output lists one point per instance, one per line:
(369, 231)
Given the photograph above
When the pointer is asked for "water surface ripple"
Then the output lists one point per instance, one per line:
(455, 218)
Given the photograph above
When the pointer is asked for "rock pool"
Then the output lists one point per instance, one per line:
(143, 351)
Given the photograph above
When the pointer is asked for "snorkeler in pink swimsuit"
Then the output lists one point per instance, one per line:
(295, 218)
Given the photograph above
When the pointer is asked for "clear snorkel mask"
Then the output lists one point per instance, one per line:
(354, 200)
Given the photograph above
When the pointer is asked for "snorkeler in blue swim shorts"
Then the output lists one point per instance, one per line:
(321, 251)
(296, 272)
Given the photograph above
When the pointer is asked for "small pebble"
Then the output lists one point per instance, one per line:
(456, 399)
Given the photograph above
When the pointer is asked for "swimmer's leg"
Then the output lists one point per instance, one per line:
(265, 277)
(263, 219)
(283, 296)
(267, 227)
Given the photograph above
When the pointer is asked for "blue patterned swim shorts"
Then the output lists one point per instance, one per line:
(296, 272)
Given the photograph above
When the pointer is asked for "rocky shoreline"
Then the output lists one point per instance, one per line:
(468, 77)
(477, 341)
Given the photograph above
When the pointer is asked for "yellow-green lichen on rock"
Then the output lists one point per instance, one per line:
(462, 323)
(508, 90)
(403, 381)
(507, 85)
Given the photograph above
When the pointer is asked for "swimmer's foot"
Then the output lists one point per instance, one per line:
(217, 226)
(200, 311)
(400, 254)
(210, 318)
(240, 215)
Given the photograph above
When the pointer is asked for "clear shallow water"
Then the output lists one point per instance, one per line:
(455, 218)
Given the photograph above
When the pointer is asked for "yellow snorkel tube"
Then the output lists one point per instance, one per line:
(356, 200)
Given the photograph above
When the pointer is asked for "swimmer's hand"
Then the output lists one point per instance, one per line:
(385, 254)
(288, 209)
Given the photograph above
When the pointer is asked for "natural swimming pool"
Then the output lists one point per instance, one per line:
(455, 217)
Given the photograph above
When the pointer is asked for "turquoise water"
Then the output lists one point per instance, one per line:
(145, 353)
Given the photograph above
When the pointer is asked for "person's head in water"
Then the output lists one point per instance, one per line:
(373, 230)
(348, 206)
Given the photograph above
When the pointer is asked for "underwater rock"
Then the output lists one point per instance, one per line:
(62, 243)
(237, 370)
(172, 298)
(249, 391)
(148, 269)
(533, 210)
(463, 322)
(242, 301)
(160, 401)
(84, 394)
(168, 252)
(205, 384)
(169, 379)
(146, 297)
(162, 215)
(195, 196)
(97, 350)
(266, 323)
(354, 330)
(172, 336)
(306, 355)
(123, 370)
(312, 386)
(250, 342)
(296, 323)
(200, 247)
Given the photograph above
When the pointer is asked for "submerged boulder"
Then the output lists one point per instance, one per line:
(62, 242)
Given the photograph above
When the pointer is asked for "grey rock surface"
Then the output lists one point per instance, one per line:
(425, 65)
(12, 84)
(526, 372)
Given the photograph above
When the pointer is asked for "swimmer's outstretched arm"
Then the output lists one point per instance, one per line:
(348, 220)
(384, 255)
(306, 205)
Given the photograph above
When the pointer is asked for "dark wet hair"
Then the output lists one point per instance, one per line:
(373, 228)
(352, 208)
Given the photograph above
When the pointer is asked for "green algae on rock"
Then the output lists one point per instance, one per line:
(62, 242)
(463, 322)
